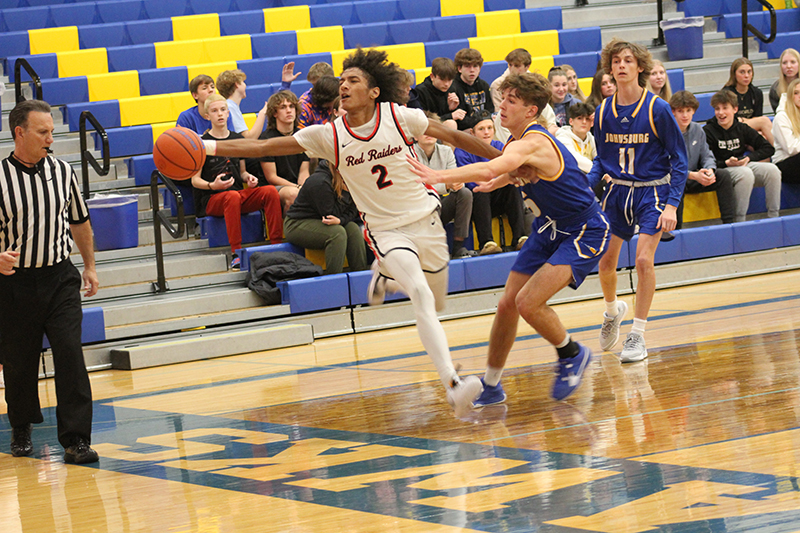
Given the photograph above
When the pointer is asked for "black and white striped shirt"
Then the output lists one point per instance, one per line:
(37, 205)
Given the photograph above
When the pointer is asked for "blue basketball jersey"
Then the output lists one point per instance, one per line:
(566, 195)
(640, 142)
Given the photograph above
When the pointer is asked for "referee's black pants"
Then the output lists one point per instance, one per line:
(35, 301)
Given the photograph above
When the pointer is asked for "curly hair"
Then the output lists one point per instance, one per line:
(275, 101)
(379, 72)
(530, 87)
(643, 58)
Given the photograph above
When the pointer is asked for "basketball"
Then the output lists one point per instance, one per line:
(179, 153)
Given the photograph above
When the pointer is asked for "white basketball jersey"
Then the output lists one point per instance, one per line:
(377, 173)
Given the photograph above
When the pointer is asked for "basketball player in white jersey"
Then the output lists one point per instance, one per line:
(401, 221)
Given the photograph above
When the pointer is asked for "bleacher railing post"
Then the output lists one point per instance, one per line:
(749, 28)
(86, 157)
(160, 220)
(22, 62)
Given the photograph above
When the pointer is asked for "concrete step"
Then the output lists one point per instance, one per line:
(620, 14)
(176, 266)
(210, 344)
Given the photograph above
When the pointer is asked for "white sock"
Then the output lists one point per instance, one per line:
(564, 342)
(612, 309)
(638, 326)
(492, 376)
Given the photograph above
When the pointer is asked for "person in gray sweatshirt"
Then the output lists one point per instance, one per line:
(702, 165)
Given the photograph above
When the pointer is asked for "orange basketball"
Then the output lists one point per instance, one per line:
(179, 153)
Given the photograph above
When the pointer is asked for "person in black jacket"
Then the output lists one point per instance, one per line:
(436, 95)
(473, 92)
(740, 153)
(324, 217)
(750, 98)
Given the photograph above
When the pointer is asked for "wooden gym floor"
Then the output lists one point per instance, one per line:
(353, 434)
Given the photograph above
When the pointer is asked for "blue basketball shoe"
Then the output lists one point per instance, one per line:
(490, 395)
(569, 373)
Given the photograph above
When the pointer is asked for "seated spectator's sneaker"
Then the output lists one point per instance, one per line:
(490, 248)
(569, 373)
(667, 236)
(520, 242)
(490, 395)
(376, 292)
(462, 393)
(21, 444)
(80, 453)
(609, 331)
(236, 263)
(463, 252)
(633, 349)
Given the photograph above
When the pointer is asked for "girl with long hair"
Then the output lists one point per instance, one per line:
(786, 129)
(658, 83)
(572, 82)
(603, 86)
(790, 65)
(751, 99)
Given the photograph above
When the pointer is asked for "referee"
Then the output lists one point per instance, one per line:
(41, 211)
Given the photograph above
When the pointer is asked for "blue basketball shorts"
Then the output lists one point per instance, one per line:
(626, 207)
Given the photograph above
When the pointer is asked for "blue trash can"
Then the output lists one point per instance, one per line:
(684, 37)
(115, 221)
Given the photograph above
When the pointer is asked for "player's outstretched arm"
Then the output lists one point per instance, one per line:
(254, 147)
(459, 139)
(515, 155)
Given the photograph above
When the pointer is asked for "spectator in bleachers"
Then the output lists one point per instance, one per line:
(456, 199)
(318, 107)
(519, 62)
(194, 118)
(231, 86)
(436, 93)
(572, 79)
(219, 188)
(506, 200)
(577, 137)
(412, 100)
(561, 100)
(315, 72)
(731, 141)
(658, 83)
(286, 172)
(790, 65)
(701, 161)
(473, 93)
(786, 128)
(603, 86)
(324, 217)
(751, 99)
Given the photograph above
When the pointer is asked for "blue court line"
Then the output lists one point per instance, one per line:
(349, 364)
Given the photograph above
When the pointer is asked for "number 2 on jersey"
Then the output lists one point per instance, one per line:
(382, 173)
(631, 156)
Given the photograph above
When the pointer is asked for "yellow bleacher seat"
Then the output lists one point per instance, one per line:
(160, 128)
(52, 40)
(422, 73)
(316, 40)
(113, 85)
(210, 69)
(542, 65)
(337, 57)
(250, 119)
(701, 206)
(192, 27)
(497, 23)
(287, 18)
(229, 48)
(180, 53)
(460, 7)
(82, 62)
(542, 42)
(407, 56)
(586, 85)
(180, 102)
(494, 48)
(147, 109)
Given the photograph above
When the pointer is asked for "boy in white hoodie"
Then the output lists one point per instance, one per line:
(577, 137)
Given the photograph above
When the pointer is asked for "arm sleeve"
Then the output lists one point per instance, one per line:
(706, 155)
(784, 136)
(237, 120)
(673, 141)
(761, 148)
(321, 195)
(414, 121)
(711, 141)
(584, 163)
(317, 141)
(596, 173)
(78, 212)
(774, 98)
(758, 102)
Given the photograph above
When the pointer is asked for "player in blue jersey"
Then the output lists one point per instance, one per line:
(642, 156)
(566, 243)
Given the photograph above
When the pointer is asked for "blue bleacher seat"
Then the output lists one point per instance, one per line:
(303, 62)
(135, 57)
(667, 252)
(298, 2)
(160, 9)
(705, 111)
(107, 112)
(791, 230)
(257, 95)
(735, 6)
(171, 202)
(245, 253)
(124, 142)
(15, 43)
(757, 235)
(492, 70)
(366, 35)
(339, 14)
(93, 327)
(411, 31)
(782, 42)
(501, 5)
(74, 14)
(790, 196)
(120, 11)
(45, 65)
(414, 9)
(584, 63)
(199, 7)
(315, 294)
(57, 91)
(488, 270)
(456, 280)
(300, 86)
(707, 241)
(103, 35)
(140, 168)
(28, 18)
(282, 43)
(149, 31)
(358, 285)
(701, 8)
(249, 5)
(261, 71)
(444, 49)
(213, 229)
(457, 27)
(539, 19)
(241, 22)
(579, 40)
(675, 76)
(376, 11)
(163, 80)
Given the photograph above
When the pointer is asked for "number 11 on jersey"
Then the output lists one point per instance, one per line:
(631, 154)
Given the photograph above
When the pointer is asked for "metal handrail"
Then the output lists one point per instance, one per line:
(659, 41)
(160, 220)
(86, 157)
(773, 21)
(22, 62)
